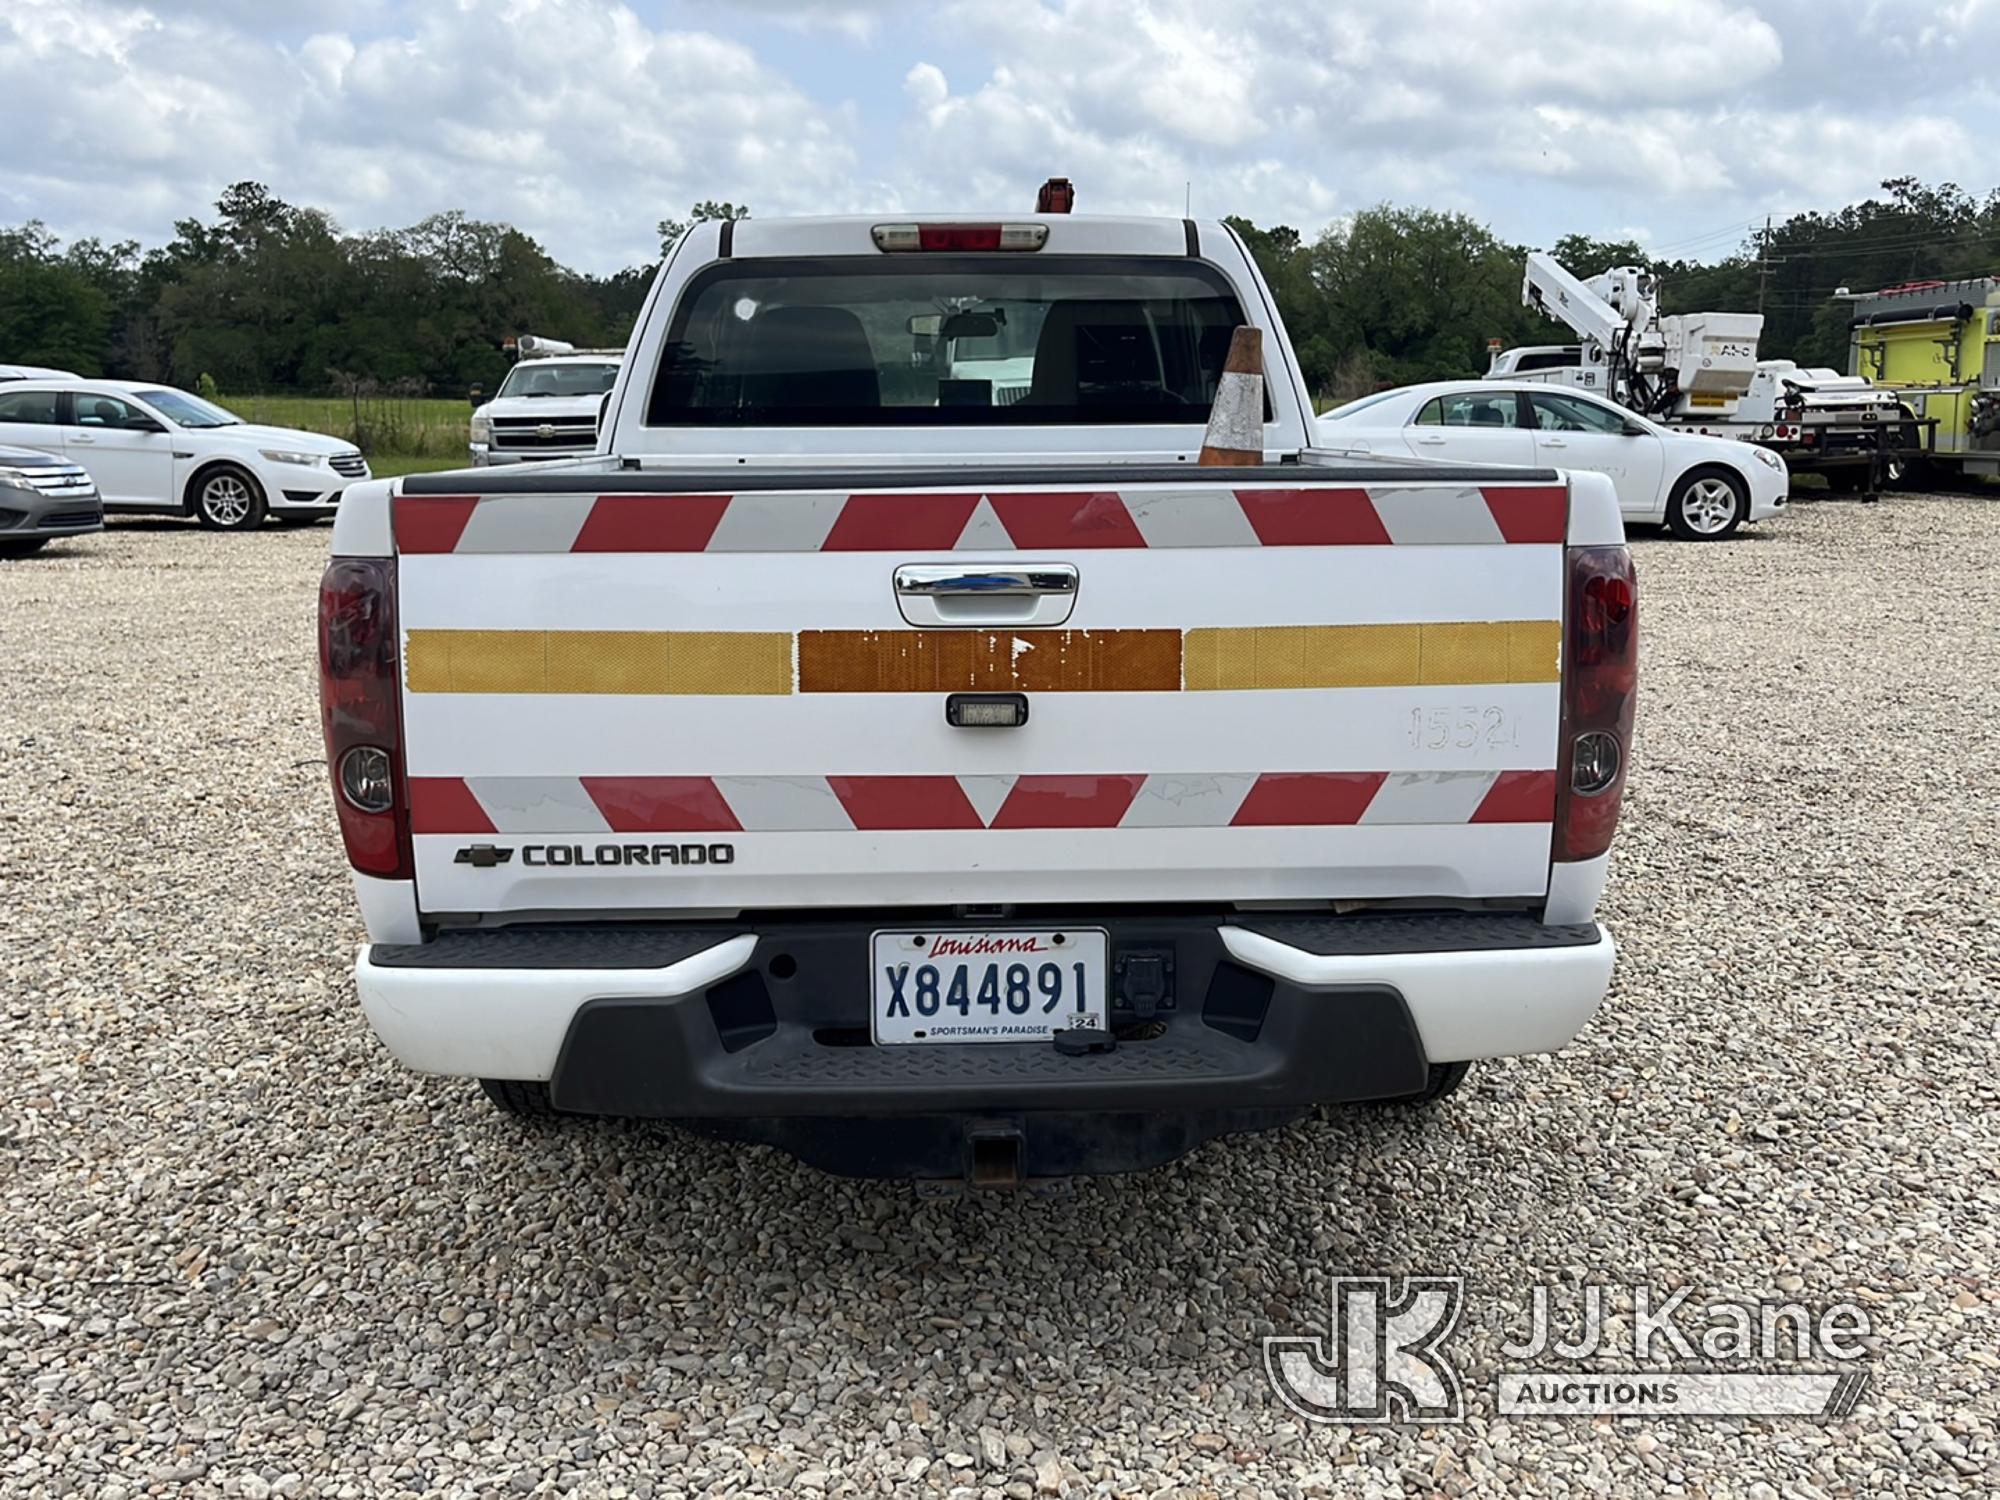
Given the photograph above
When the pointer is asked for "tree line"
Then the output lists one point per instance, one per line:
(267, 296)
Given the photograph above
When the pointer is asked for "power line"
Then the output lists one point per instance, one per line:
(1992, 256)
(1766, 237)
(1805, 246)
(1745, 227)
(1714, 234)
(1901, 238)
(1804, 249)
(1889, 240)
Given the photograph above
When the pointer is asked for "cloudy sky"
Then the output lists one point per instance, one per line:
(585, 121)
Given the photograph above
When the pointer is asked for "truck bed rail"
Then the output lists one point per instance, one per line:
(571, 478)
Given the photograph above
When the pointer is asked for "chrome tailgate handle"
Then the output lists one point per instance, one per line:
(965, 583)
(960, 594)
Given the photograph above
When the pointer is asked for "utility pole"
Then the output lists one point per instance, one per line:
(1763, 264)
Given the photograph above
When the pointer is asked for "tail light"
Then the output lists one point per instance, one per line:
(1600, 691)
(360, 713)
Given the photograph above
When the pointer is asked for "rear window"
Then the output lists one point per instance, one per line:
(37, 407)
(1355, 408)
(1480, 408)
(957, 341)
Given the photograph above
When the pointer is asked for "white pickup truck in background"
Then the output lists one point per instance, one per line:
(946, 779)
(547, 405)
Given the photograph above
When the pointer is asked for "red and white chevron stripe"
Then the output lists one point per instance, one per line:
(968, 520)
(571, 805)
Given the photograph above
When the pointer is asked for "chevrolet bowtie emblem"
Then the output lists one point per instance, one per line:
(545, 431)
(482, 856)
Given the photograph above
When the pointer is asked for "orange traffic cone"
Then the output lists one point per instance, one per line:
(1236, 422)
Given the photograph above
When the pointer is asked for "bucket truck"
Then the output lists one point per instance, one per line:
(1700, 371)
(1666, 368)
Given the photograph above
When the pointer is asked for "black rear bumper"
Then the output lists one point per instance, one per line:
(781, 1050)
(666, 1058)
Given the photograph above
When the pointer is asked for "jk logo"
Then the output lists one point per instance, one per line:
(1380, 1359)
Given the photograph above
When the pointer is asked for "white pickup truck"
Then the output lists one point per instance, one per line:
(952, 783)
(546, 407)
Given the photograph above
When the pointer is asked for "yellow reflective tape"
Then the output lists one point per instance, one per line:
(653, 662)
(598, 661)
(1534, 650)
(1430, 654)
(1455, 653)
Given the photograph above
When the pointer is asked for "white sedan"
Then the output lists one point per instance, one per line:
(1702, 488)
(153, 448)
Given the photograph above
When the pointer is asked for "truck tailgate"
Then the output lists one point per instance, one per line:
(1273, 684)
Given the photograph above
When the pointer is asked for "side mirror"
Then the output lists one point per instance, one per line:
(1633, 429)
(476, 396)
(144, 424)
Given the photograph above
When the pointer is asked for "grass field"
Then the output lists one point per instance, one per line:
(425, 432)
(391, 465)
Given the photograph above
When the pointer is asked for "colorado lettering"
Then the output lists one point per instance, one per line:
(569, 855)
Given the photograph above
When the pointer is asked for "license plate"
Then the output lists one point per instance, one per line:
(1009, 986)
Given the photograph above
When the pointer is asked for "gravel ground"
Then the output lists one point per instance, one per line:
(245, 1255)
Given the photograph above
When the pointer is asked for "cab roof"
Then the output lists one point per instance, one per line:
(853, 234)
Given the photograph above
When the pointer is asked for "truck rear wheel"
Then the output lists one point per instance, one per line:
(519, 1097)
(1707, 505)
(1908, 473)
